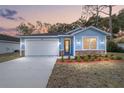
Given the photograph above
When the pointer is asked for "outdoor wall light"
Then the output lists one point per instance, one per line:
(102, 42)
(78, 42)
(59, 43)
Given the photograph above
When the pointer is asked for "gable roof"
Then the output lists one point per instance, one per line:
(9, 38)
(70, 33)
(90, 27)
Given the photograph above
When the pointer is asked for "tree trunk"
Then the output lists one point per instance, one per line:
(97, 15)
(110, 21)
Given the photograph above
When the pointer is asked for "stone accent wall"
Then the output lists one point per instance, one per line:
(61, 53)
(81, 52)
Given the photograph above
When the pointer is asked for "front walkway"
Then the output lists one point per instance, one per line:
(26, 72)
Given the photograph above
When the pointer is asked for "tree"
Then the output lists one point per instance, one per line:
(63, 27)
(92, 11)
(28, 28)
(121, 19)
(110, 20)
(96, 9)
(25, 29)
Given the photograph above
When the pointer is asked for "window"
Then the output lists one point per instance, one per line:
(89, 43)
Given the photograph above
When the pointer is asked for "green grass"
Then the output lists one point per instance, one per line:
(8, 56)
(117, 54)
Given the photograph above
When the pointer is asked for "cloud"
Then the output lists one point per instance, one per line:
(10, 14)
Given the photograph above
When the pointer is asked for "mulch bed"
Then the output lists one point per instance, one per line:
(66, 61)
(107, 74)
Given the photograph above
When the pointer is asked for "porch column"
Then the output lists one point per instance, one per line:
(105, 45)
(20, 47)
(74, 45)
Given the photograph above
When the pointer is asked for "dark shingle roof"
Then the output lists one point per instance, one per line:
(48, 34)
(67, 33)
(9, 38)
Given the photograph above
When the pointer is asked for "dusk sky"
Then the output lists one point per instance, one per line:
(11, 16)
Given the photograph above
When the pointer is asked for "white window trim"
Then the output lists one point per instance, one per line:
(97, 42)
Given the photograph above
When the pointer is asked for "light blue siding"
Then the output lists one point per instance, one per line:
(89, 33)
(61, 46)
(78, 40)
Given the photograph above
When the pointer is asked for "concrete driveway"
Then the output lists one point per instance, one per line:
(26, 72)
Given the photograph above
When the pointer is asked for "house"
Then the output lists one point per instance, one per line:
(120, 41)
(8, 44)
(76, 42)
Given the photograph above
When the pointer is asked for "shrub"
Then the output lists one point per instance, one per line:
(99, 59)
(112, 46)
(113, 57)
(62, 58)
(106, 55)
(96, 56)
(86, 58)
(89, 56)
(92, 58)
(78, 58)
(118, 58)
(106, 59)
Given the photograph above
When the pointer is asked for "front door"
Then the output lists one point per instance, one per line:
(67, 43)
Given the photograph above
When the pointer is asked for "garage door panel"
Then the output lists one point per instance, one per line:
(42, 47)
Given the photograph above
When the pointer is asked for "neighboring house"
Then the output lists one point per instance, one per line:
(8, 44)
(120, 41)
(76, 42)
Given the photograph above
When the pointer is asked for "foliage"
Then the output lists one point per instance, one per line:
(119, 58)
(86, 58)
(62, 58)
(25, 29)
(78, 58)
(63, 27)
(29, 28)
(113, 47)
(121, 19)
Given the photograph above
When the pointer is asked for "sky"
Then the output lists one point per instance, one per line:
(12, 15)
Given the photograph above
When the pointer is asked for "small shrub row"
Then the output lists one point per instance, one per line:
(89, 58)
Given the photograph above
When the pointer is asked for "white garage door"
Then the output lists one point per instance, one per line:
(42, 47)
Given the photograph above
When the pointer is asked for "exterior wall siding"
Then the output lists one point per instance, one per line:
(8, 47)
(89, 33)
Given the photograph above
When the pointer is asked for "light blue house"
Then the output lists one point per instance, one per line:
(76, 42)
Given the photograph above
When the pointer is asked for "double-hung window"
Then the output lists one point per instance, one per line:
(90, 43)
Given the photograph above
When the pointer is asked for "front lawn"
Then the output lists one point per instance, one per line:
(93, 75)
(8, 56)
(117, 54)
